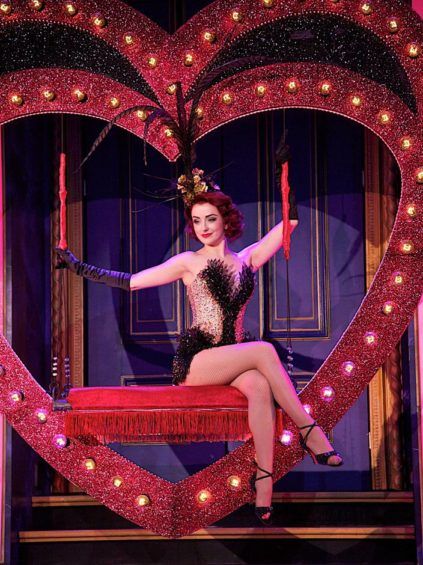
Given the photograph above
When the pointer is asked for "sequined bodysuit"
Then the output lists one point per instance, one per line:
(218, 305)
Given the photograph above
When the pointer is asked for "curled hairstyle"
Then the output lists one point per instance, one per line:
(232, 217)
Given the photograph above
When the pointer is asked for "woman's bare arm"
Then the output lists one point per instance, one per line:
(167, 272)
(260, 252)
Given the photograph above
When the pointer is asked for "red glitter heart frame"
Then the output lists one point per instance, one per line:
(175, 509)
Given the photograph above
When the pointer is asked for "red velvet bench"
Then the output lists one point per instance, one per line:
(174, 414)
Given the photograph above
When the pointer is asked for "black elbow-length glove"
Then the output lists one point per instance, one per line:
(110, 278)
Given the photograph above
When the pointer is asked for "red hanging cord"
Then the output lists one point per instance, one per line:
(63, 244)
(286, 229)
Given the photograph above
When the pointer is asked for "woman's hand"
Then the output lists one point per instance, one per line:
(68, 259)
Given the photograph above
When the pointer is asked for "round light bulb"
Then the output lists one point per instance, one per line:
(227, 98)
(407, 247)
(393, 25)
(204, 496)
(188, 59)
(128, 38)
(370, 338)
(419, 175)
(348, 368)
(268, 3)
(114, 102)
(366, 8)
(308, 408)
(356, 100)
(152, 61)
(325, 88)
(327, 393)
(411, 210)
(49, 95)
(413, 50)
(398, 278)
(236, 16)
(16, 99)
(117, 481)
(171, 89)
(168, 132)
(388, 308)
(89, 464)
(292, 86)
(200, 112)
(142, 500)
(37, 5)
(99, 21)
(384, 117)
(260, 90)
(5, 8)
(286, 437)
(234, 481)
(209, 36)
(16, 396)
(405, 143)
(79, 95)
(71, 9)
(60, 441)
(142, 115)
(41, 415)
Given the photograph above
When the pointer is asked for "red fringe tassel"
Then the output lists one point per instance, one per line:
(63, 244)
(173, 426)
(286, 229)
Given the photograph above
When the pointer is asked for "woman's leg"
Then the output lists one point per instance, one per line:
(221, 365)
(261, 419)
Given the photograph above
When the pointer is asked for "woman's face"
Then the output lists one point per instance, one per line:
(208, 223)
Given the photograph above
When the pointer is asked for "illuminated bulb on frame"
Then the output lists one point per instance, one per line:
(5, 8)
(171, 89)
(188, 59)
(16, 396)
(168, 132)
(49, 95)
(152, 62)
(37, 5)
(71, 9)
(60, 441)
(234, 481)
(260, 90)
(209, 36)
(370, 338)
(388, 308)
(41, 415)
(79, 95)
(292, 86)
(203, 496)
(398, 278)
(227, 98)
(142, 115)
(117, 481)
(413, 50)
(384, 117)
(327, 393)
(407, 247)
(405, 143)
(366, 8)
(348, 368)
(411, 210)
(143, 500)
(268, 3)
(89, 464)
(325, 88)
(393, 25)
(286, 437)
(114, 102)
(99, 21)
(356, 100)
(419, 175)
(200, 112)
(308, 408)
(236, 16)
(16, 99)
(128, 38)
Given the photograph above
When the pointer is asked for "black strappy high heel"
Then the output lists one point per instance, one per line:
(260, 511)
(320, 458)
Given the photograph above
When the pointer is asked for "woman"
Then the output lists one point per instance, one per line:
(216, 350)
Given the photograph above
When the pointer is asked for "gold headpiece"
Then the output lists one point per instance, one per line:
(191, 186)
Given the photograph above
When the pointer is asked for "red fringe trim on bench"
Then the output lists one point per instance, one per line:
(173, 426)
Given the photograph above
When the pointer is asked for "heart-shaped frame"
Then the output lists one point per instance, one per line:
(176, 509)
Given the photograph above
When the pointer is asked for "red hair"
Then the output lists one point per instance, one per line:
(232, 216)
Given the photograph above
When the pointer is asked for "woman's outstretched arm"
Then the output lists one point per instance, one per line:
(260, 252)
(167, 272)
